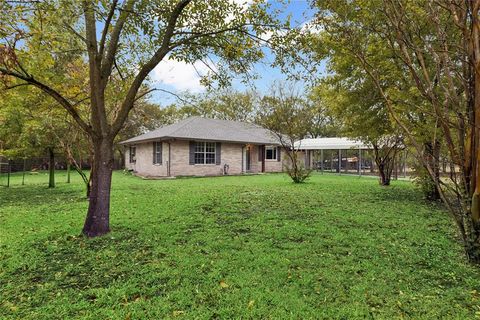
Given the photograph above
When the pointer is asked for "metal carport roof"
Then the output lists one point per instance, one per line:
(330, 144)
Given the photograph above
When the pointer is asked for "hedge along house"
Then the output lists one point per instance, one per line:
(199, 146)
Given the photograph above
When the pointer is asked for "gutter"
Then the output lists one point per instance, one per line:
(200, 139)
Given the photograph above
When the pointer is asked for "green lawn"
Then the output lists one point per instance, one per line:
(232, 247)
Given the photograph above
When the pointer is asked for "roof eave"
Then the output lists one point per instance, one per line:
(127, 142)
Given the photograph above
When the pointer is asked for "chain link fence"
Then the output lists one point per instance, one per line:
(18, 171)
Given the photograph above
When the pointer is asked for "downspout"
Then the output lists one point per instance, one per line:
(243, 165)
(263, 158)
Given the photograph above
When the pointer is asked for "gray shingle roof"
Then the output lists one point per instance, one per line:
(198, 128)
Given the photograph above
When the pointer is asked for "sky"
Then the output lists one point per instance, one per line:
(178, 77)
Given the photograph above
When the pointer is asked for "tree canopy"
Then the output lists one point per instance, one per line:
(40, 43)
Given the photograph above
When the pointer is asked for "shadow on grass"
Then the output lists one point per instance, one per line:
(38, 195)
(397, 192)
(60, 263)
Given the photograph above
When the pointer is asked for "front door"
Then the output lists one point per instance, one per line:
(246, 158)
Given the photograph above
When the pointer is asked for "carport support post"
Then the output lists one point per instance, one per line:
(359, 162)
(321, 161)
(339, 161)
(331, 162)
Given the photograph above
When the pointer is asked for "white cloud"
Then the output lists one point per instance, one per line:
(180, 75)
(243, 4)
(185, 76)
(311, 26)
(267, 35)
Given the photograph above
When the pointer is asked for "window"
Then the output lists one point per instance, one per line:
(157, 152)
(205, 153)
(271, 153)
(133, 150)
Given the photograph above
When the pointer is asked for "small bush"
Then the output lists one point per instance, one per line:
(424, 182)
(297, 172)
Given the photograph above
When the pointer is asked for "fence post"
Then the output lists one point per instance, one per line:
(23, 173)
(8, 173)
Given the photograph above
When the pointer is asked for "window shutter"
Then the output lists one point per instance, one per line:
(131, 155)
(154, 154)
(192, 153)
(279, 153)
(260, 153)
(161, 153)
(218, 153)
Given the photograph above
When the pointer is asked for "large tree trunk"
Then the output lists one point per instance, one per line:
(432, 158)
(51, 168)
(384, 164)
(68, 172)
(385, 175)
(97, 222)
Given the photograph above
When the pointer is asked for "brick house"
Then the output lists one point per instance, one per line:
(199, 146)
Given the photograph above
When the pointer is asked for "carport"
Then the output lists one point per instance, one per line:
(341, 155)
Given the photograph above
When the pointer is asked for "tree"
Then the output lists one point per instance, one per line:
(431, 50)
(287, 116)
(27, 131)
(224, 104)
(355, 104)
(322, 123)
(121, 39)
(23, 134)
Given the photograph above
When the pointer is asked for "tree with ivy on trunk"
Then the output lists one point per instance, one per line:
(125, 39)
(430, 50)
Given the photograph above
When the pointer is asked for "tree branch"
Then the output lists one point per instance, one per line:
(54, 94)
(103, 39)
(108, 59)
(128, 103)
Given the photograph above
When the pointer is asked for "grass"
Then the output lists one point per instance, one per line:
(232, 247)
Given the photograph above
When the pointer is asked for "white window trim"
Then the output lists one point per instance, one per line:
(274, 150)
(205, 153)
(130, 160)
(157, 152)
